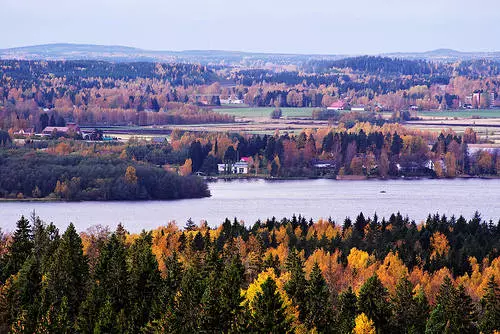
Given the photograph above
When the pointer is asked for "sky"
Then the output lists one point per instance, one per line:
(278, 26)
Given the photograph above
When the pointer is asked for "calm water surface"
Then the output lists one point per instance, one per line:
(250, 200)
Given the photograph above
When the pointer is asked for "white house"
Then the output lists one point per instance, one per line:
(240, 167)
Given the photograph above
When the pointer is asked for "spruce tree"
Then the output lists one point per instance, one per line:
(490, 306)
(296, 286)
(465, 316)
(454, 312)
(347, 311)
(20, 248)
(211, 312)
(268, 314)
(437, 323)
(408, 311)
(187, 307)
(231, 282)
(373, 301)
(67, 276)
(144, 281)
(318, 304)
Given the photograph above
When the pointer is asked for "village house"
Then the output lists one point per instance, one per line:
(24, 133)
(62, 130)
(337, 105)
(240, 167)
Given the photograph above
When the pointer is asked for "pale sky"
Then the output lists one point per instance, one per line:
(280, 26)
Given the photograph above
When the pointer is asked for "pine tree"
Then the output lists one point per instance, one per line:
(373, 301)
(28, 287)
(347, 310)
(318, 304)
(490, 305)
(268, 314)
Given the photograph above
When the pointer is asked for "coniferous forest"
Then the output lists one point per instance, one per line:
(367, 275)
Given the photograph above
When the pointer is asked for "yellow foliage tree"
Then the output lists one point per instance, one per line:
(391, 270)
(254, 288)
(187, 168)
(363, 325)
(130, 175)
(439, 245)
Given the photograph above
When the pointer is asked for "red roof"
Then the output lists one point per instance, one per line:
(338, 104)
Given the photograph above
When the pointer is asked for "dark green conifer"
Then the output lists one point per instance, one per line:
(20, 248)
(373, 301)
(318, 304)
(268, 314)
(490, 307)
(347, 311)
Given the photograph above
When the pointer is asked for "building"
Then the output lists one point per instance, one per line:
(337, 105)
(231, 100)
(24, 133)
(240, 167)
(62, 130)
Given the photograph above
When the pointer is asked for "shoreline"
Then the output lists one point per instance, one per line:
(213, 179)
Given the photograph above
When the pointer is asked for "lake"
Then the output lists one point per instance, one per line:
(250, 200)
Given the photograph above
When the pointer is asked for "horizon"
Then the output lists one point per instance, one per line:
(277, 52)
(285, 27)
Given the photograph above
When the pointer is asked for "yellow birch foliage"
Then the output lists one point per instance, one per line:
(391, 270)
(440, 245)
(363, 325)
(254, 288)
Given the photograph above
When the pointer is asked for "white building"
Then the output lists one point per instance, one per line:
(240, 167)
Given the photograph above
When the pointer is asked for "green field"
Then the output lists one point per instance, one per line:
(265, 112)
(483, 113)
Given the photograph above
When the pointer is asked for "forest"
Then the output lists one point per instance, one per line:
(367, 275)
(102, 93)
(26, 173)
(365, 149)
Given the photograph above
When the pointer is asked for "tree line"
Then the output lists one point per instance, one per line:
(26, 173)
(276, 276)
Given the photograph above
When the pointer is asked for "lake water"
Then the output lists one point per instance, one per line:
(250, 200)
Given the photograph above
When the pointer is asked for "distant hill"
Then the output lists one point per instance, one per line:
(116, 53)
(445, 55)
(128, 54)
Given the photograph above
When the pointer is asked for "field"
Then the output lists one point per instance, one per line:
(248, 112)
(483, 113)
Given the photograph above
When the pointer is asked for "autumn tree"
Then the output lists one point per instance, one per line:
(364, 325)
(130, 175)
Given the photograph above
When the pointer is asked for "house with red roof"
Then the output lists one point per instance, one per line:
(337, 105)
